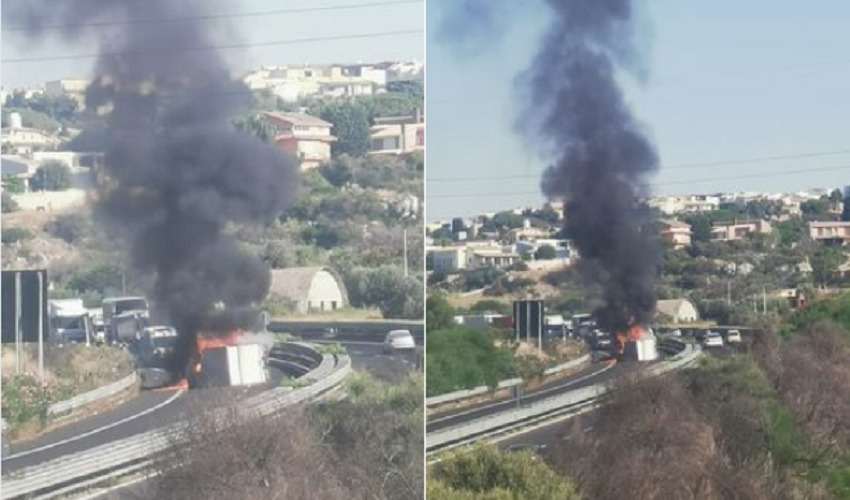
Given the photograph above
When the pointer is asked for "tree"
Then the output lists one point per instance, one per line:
(413, 88)
(545, 252)
(825, 262)
(386, 288)
(14, 184)
(836, 196)
(350, 126)
(52, 175)
(256, 125)
(820, 206)
(791, 231)
(440, 314)
(8, 203)
(70, 227)
(339, 171)
(14, 235)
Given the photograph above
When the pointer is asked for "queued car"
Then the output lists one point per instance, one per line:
(399, 340)
(733, 337)
(713, 339)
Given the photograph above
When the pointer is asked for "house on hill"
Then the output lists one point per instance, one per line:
(678, 310)
(309, 289)
(305, 137)
(679, 233)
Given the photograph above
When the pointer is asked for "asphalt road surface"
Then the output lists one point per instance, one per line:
(596, 373)
(148, 411)
(365, 356)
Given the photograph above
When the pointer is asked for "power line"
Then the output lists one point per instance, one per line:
(682, 166)
(212, 17)
(656, 184)
(292, 41)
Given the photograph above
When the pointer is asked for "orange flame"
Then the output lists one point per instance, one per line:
(205, 343)
(633, 334)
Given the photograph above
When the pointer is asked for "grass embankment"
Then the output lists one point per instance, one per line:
(69, 370)
(464, 358)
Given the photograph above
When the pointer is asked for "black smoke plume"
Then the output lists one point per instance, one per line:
(177, 171)
(602, 156)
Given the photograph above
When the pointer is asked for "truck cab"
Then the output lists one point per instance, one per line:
(124, 318)
(69, 321)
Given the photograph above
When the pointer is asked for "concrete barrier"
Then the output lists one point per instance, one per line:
(63, 408)
(456, 396)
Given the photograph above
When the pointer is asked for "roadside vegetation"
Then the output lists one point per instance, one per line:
(367, 445)
(464, 357)
(772, 424)
(69, 370)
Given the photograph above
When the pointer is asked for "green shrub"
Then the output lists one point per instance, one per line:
(71, 227)
(52, 175)
(25, 399)
(9, 204)
(463, 358)
(14, 235)
(485, 474)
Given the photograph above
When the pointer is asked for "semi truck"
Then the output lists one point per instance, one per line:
(70, 321)
(556, 327)
(124, 318)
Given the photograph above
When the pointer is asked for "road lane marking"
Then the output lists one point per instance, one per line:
(95, 431)
(530, 394)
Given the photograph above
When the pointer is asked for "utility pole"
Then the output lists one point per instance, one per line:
(41, 328)
(18, 333)
(729, 293)
(405, 253)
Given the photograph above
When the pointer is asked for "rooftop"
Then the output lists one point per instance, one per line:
(300, 119)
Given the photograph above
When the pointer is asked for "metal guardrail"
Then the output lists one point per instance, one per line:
(453, 397)
(475, 430)
(63, 474)
(63, 407)
(361, 330)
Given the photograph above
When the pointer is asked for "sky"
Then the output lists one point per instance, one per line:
(257, 29)
(728, 80)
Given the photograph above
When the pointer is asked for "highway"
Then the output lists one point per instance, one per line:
(365, 356)
(596, 373)
(148, 411)
(552, 432)
(158, 408)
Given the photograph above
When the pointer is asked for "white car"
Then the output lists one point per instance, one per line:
(713, 339)
(399, 340)
(733, 337)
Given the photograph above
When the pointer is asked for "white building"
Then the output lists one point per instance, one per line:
(448, 259)
(23, 140)
(74, 88)
(309, 289)
(294, 82)
(670, 205)
(678, 310)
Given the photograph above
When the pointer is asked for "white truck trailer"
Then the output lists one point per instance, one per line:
(242, 364)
